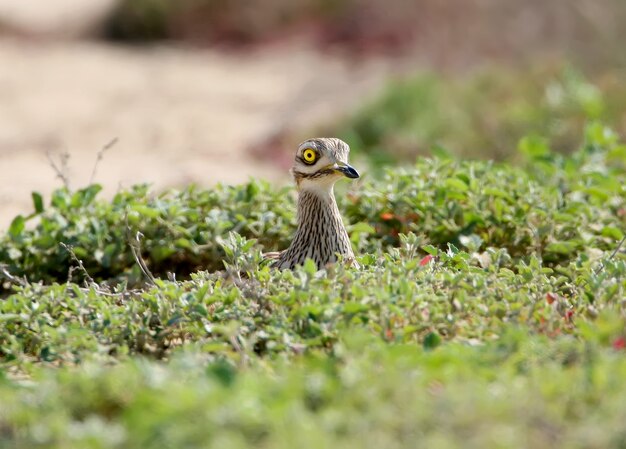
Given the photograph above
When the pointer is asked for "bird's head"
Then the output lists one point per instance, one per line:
(320, 162)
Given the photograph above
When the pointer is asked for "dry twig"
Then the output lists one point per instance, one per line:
(135, 246)
(4, 271)
(613, 254)
(61, 169)
(79, 262)
(99, 158)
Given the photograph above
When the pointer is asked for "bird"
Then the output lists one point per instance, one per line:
(321, 235)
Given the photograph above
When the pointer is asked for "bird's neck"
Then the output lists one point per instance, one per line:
(321, 234)
(314, 204)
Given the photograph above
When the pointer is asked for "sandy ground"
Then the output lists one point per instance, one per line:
(58, 18)
(180, 116)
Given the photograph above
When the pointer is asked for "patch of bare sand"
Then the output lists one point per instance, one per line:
(181, 116)
(58, 18)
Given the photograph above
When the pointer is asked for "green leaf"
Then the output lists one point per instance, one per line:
(84, 197)
(367, 259)
(456, 184)
(309, 267)
(562, 248)
(60, 198)
(223, 371)
(247, 246)
(533, 147)
(91, 192)
(354, 307)
(441, 153)
(183, 243)
(146, 211)
(252, 190)
(612, 232)
(598, 134)
(598, 193)
(452, 249)
(17, 226)
(362, 227)
(430, 249)
(431, 341)
(37, 202)
(493, 191)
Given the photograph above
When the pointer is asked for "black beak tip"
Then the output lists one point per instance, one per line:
(350, 172)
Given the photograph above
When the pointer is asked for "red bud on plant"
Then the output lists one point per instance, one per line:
(619, 343)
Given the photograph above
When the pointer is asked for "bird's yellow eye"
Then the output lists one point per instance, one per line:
(309, 156)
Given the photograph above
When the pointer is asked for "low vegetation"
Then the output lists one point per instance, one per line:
(521, 391)
(489, 312)
(555, 207)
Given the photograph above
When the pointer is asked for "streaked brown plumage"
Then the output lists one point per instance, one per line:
(321, 235)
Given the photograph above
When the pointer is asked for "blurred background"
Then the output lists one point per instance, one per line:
(206, 91)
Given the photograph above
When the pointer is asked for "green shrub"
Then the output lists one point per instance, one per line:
(402, 297)
(180, 228)
(506, 236)
(555, 208)
(488, 312)
(518, 392)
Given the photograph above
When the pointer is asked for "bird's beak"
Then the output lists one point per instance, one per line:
(346, 170)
